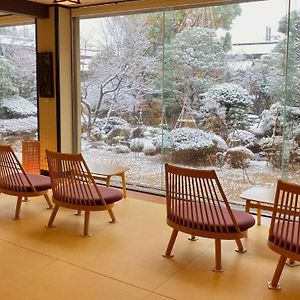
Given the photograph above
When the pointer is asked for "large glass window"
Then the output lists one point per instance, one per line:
(18, 100)
(213, 87)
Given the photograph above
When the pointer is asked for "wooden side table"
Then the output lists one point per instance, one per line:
(260, 199)
(105, 172)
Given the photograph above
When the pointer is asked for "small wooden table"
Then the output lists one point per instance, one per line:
(259, 198)
(105, 172)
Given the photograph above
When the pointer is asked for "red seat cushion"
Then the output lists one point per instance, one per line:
(210, 218)
(86, 194)
(287, 236)
(40, 182)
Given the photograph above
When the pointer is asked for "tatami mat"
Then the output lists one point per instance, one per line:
(124, 261)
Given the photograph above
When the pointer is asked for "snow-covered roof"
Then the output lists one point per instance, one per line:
(252, 48)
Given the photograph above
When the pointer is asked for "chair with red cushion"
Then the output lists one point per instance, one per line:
(74, 187)
(16, 182)
(197, 205)
(284, 233)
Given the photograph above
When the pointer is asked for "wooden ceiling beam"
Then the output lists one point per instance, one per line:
(24, 7)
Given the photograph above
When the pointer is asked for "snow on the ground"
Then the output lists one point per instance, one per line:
(148, 171)
(18, 126)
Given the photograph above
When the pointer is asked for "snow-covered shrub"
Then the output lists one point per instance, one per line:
(119, 131)
(136, 132)
(18, 126)
(96, 134)
(243, 138)
(273, 119)
(239, 157)
(297, 135)
(272, 146)
(137, 145)
(106, 125)
(190, 144)
(215, 122)
(229, 99)
(149, 148)
(269, 119)
(121, 149)
(18, 107)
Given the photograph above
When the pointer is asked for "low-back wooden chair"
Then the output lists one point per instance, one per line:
(74, 187)
(284, 233)
(15, 181)
(197, 205)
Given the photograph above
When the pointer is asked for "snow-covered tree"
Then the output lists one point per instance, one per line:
(194, 61)
(7, 87)
(119, 76)
(231, 100)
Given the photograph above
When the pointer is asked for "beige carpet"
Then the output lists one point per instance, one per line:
(123, 260)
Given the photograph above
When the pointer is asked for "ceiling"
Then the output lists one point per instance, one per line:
(83, 2)
(39, 8)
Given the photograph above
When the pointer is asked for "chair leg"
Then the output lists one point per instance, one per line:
(193, 238)
(18, 208)
(25, 199)
(274, 283)
(112, 216)
(86, 224)
(171, 244)
(50, 205)
(52, 217)
(240, 248)
(218, 267)
(292, 263)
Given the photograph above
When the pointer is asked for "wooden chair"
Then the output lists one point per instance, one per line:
(74, 187)
(284, 233)
(16, 182)
(197, 205)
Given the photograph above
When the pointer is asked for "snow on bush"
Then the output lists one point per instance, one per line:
(119, 131)
(106, 125)
(121, 149)
(149, 148)
(231, 99)
(243, 138)
(17, 106)
(192, 144)
(136, 132)
(239, 157)
(196, 139)
(96, 134)
(220, 143)
(273, 119)
(137, 145)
